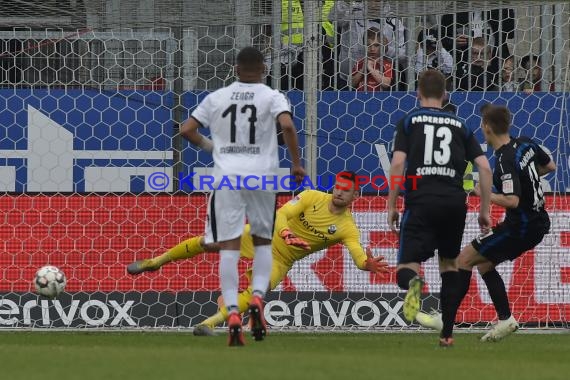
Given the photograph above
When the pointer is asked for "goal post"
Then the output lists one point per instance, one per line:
(94, 174)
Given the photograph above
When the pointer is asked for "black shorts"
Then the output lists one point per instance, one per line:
(427, 227)
(507, 242)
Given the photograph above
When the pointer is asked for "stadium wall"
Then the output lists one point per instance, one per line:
(93, 237)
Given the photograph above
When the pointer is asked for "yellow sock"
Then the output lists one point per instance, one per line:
(246, 248)
(215, 320)
(243, 303)
(222, 314)
(243, 299)
(188, 248)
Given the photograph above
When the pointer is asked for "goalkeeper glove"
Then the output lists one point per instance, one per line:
(375, 264)
(291, 239)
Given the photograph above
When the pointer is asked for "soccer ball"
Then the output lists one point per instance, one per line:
(50, 281)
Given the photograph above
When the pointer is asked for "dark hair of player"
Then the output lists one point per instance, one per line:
(249, 58)
(431, 84)
(497, 117)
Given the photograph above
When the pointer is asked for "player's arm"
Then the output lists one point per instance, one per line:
(189, 131)
(544, 164)
(474, 153)
(294, 207)
(363, 260)
(510, 188)
(201, 117)
(545, 169)
(484, 190)
(397, 167)
(506, 201)
(396, 171)
(290, 137)
(288, 210)
(280, 140)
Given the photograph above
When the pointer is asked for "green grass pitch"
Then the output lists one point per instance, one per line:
(291, 356)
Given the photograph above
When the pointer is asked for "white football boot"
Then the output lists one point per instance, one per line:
(430, 321)
(501, 330)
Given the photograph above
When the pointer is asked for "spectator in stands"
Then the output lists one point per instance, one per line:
(532, 80)
(478, 76)
(373, 72)
(435, 56)
(352, 20)
(495, 26)
(508, 75)
(291, 53)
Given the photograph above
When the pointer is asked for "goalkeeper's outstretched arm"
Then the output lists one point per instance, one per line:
(363, 259)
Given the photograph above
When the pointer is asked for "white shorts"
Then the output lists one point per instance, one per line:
(228, 209)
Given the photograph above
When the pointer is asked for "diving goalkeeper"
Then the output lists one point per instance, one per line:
(310, 222)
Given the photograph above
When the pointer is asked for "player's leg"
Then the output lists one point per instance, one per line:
(415, 243)
(407, 276)
(206, 327)
(187, 249)
(226, 215)
(431, 320)
(452, 294)
(243, 301)
(498, 292)
(278, 272)
(510, 247)
(448, 297)
(184, 250)
(485, 252)
(260, 210)
(450, 226)
(434, 320)
(260, 278)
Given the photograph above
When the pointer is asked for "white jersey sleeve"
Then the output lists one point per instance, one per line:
(203, 113)
(280, 104)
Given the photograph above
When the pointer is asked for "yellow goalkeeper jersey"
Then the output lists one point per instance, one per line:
(308, 216)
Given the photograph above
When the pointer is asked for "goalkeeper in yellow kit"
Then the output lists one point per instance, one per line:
(310, 222)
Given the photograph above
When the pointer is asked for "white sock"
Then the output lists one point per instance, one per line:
(229, 276)
(262, 262)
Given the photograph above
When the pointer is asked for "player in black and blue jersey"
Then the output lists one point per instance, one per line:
(433, 146)
(520, 162)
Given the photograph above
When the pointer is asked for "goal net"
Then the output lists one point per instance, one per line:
(95, 174)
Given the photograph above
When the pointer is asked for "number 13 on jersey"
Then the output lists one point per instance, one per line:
(441, 154)
(232, 112)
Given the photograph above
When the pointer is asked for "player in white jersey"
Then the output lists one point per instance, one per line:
(242, 119)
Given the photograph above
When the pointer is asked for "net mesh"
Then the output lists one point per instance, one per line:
(92, 94)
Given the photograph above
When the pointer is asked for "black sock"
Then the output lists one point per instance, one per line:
(463, 282)
(448, 299)
(463, 285)
(498, 293)
(403, 277)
